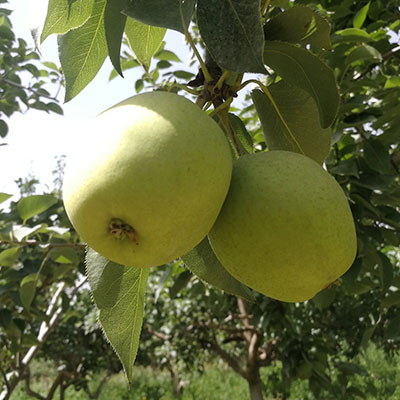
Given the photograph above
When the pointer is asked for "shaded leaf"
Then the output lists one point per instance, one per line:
(27, 290)
(3, 129)
(170, 14)
(290, 121)
(5, 317)
(241, 133)
(180, 283)
(114, 24)
(144, 40)
(324, 298)
(83, 51)
(377, 156)
(301, 68)
(233, 34)
(118, 292)
(363, 52)
(346, 167)
(391, 300)
(205, 265)
(33, 205)
(386, 272)
(366, 337)
(393, 329)
(8, 257)
(64, 15)
(299, 24)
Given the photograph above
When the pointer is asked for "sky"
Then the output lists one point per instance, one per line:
(35, 138)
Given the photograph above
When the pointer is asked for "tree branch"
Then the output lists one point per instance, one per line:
(37, 243)
(35, 92)
(232, 361)
(28, 389)
(159, 335)
(245, 320)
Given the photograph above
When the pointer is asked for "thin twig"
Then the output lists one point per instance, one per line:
(37, 243)
(35, 92)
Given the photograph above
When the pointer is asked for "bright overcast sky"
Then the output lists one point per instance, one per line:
(36, 138)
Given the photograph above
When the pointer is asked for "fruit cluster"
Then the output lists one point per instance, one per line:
(156, 176)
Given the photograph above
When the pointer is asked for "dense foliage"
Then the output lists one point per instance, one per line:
(24, 82)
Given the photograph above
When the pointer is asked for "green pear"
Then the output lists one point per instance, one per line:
(285, 229)
(149, 179)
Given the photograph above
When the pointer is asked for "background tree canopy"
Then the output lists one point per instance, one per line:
(315, 77)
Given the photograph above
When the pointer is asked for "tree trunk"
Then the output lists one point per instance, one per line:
(255, 385)
(176, 381)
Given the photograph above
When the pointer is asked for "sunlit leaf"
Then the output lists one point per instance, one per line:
(34, 205)
(144, 40)
(118, 292)
(64, 15)
(83, 51)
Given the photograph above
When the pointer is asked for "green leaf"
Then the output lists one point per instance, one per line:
(376, 155)
(144, 40)
(324, 298)
(83, 51)
(4, 197)
(3, 129)
(392, 81)
(299, 24)
(8, 257)
(205, 265)
(233, 34)
(346, 167)
(386, 272)
(170, 14)
(241, 133)
(393, 329)
(33, 205)
(5, 317)
(321, 37)
(180, 283)
(392, 299)
(27, 290)
(64, 15)
(361, 53)
(293, 25)
(301, 68)
(125, 65)
(353, 35)
(290, 121)
(118, 292)
(167, 55)
(54, 107)
(360, 17)
(114, 24)
(64, 255)
(366, 337)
